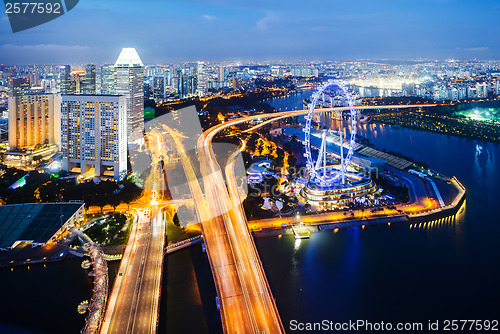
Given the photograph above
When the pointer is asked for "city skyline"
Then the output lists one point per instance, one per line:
(223, 30)
(223, 166)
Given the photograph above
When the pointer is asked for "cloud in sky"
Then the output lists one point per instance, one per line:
(478, 49)
(46, 53)
(209, 17)
(260, 29)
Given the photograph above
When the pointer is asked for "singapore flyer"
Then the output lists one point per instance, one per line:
(324, 179)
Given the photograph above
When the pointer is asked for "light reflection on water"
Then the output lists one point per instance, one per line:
(383, 272)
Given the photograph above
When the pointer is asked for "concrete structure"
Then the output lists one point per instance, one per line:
(93, 134)
(129, 82)
(34, 120)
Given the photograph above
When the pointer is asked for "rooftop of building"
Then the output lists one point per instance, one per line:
(129, 58)
(36, 222)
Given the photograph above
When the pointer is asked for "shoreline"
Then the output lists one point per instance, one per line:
(437, 213)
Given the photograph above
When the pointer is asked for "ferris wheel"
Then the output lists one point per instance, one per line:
(325, 179)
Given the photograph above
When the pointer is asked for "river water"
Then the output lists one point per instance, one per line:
(394, 273)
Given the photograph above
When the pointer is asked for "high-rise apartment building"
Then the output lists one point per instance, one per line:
(94, 135)
(129, 82)
(107, 80)
(33, 120)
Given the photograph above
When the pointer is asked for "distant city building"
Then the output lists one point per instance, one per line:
(186, 84)
(90, 80)
(304, 72)
(94, 135)
(19, 86)
(34, 120)
(77, 84)
(236, 84)
(48, 85)
(222, 73)
(201, 79)
(65, 80)
(107, 80)
(159, 87)
(277, 71)
(129, 81)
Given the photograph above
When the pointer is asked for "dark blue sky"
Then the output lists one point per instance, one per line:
(164, 31)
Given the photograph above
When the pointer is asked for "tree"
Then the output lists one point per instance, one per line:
(114, 201)
(129, 193)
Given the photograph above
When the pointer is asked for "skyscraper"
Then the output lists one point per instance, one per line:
(186, 83)
(90, 81)
(107, 80)
(34, 119)
(222, 73)
(202, 79)
(94, 134)
(65, 79)
(129, 81)
(159, 87)
(19, 86)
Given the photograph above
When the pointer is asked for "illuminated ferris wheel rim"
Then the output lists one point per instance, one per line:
(330, 180)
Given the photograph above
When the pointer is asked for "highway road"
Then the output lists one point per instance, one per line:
(134, 300)
(247, 304)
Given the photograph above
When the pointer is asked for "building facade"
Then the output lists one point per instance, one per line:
(129, 82)
(19, 86)
(90, 80)
(65, 79)
(201, 79)
(34, 120)
(159, 87)
(94, 135)
(108, 80)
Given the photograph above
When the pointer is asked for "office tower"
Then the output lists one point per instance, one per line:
(108, 80)
(19, 86)
(186, 84)
(33, 120)
(159, 87)
(94, 135)
(65, 79)
(181, 84)
(89, 86)
(202, 79)
(129, 81)
(77, 82)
